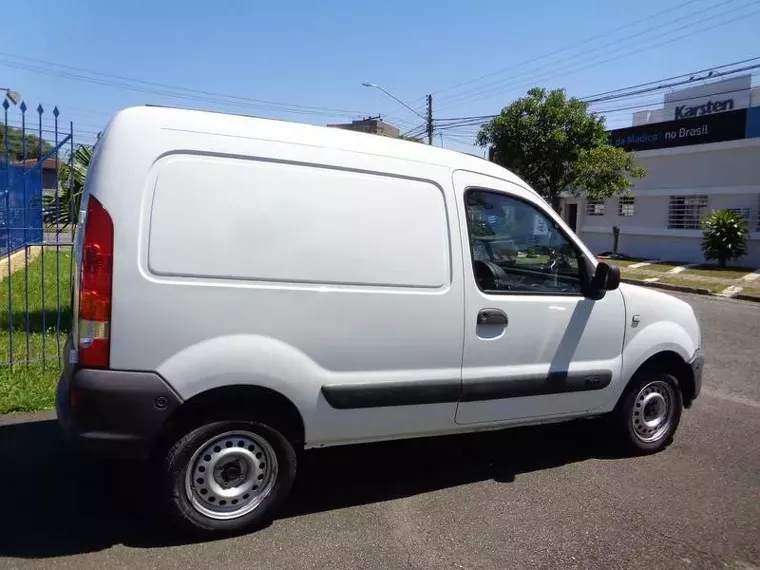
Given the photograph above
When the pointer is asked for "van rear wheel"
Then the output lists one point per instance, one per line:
(649, 414)
(228, 476)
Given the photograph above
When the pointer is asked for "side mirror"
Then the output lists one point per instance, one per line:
(613, 277)
(606, 277)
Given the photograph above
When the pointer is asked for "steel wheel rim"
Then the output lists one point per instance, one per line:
(230, 475)
(653, 411)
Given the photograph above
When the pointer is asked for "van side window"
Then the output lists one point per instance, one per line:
(516, 248)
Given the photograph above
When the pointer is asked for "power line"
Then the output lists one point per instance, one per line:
(496, 88)
(560, 50)
(640, 106)
(416, 132)
(565, 48)
(248, 100)
(669, 85)
(465, 118)
(169, 94)
(48, 123)
(453, 123)
(603, 93)
(176, 92)
(476, 121)
(656, 45)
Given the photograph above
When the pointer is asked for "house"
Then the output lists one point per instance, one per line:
(701, 150)
(48, 172)
(373, 125)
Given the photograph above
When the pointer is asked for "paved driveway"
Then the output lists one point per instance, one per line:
(548, 497)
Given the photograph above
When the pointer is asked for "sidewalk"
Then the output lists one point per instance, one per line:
(708, 279)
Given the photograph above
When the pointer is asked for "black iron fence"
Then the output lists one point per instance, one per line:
(37, 189)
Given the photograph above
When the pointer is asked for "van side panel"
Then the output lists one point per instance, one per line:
(289, 266)
(268, 221)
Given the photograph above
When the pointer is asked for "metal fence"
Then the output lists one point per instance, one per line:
(36, 186)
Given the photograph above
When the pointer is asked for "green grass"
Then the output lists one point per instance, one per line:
(710, 286)
(29, 372)
(536, 259)
(659, 267)
(705, 276)
(712, 271)
(623, 262)
(754, 291)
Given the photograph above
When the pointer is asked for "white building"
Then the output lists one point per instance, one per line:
(702, 153)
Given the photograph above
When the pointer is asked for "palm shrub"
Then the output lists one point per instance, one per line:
(725, 236)
(65, 210)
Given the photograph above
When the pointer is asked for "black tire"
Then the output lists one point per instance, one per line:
(640, 402)
(178, 460)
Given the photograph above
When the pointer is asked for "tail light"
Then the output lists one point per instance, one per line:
(95, 287)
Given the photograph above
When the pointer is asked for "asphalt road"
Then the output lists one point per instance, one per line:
(547, 497)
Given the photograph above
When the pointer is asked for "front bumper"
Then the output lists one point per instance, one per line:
(697, 364)
(113, 412)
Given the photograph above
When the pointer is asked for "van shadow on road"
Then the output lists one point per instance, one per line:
(59, 503)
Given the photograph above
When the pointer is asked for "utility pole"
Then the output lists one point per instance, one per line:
(430, 119)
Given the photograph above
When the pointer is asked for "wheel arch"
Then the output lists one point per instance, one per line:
(239, 400)
(672, 363)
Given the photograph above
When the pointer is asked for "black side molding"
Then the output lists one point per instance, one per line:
(520, 386)
(353, 396)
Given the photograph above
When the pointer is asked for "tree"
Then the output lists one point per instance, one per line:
(406, 138)
(64, 211)
(16, 144)
(725, 236)
(556, 145)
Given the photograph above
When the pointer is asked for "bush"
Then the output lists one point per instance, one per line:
(725, 236)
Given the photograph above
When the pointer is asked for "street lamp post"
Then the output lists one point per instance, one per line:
(376, 86)
(12, 96)
(428, 120)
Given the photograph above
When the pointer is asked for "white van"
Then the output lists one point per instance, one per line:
(249, 288)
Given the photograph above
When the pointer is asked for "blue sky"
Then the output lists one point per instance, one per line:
(317, 54)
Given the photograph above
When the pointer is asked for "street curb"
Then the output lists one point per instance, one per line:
(667, 287)
(683, 289)
(753, 298)
(18, 260)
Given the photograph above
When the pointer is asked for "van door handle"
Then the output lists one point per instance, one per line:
(492, 317)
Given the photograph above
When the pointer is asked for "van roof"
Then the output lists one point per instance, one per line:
(193, 120)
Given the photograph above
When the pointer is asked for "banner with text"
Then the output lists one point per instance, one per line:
(718, 127)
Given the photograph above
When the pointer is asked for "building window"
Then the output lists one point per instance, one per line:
(753, 223)
(743, 212)
(594, 208)
(686, 212)
(626, 206)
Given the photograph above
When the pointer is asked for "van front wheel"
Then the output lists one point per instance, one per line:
(227, 476)
(650, 412)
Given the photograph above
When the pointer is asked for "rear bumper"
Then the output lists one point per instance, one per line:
(697, 364)
(112, 412)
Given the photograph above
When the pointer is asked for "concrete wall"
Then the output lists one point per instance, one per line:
(728, 173)
(716, 168)
(647, 247)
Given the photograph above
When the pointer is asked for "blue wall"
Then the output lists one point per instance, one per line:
(20, 208)
(753, 123)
